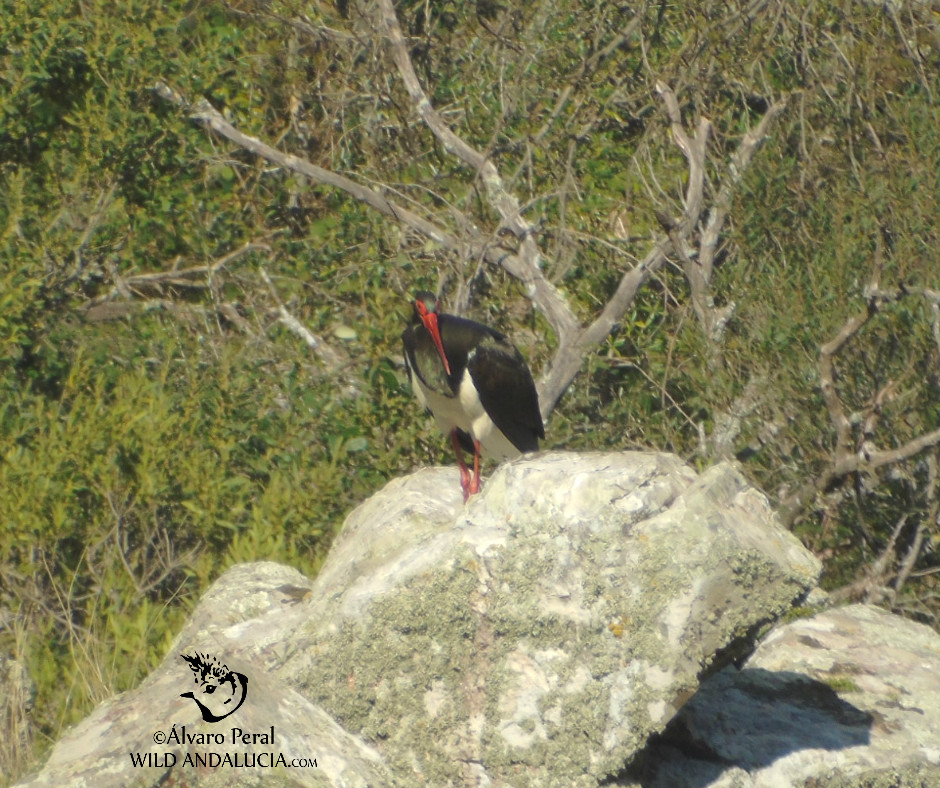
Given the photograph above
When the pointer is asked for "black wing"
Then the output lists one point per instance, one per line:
(507, 391)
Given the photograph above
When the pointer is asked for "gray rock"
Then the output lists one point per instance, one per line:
(850, 697)
(538, 635)
(243, 619)
(535, 637)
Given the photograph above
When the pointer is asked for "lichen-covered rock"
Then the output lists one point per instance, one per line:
(534, 637)
(849, 697)
(151, 736)
(538, 635)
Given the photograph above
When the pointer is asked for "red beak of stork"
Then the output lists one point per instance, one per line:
(430, 323)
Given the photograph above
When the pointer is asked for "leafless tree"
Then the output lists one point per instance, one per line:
(691, 238)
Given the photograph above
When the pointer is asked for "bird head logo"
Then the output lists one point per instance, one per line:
(221, 691)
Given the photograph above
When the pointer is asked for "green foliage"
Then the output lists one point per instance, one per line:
(842, 684)
(149, 474)
(144, 449)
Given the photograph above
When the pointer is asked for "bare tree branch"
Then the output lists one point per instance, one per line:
(524, 262)
(848, 458)
(740, 160)
(336, 363)
(101, 205)
(871, 587)
(932, 516)
(317, 345)
(185, 277)
(204, 112)
(574, 342)
(909, 560)
(827, 352)
(885, 578)
(720, 444)
(699, 267)
(120, 302)
(191, 314)
(871, 460)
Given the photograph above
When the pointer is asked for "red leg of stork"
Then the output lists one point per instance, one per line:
(475, 483)
(465, 482)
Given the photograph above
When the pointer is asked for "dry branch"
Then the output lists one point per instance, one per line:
(101, 205)
(872, 587)
(574, 341)
(329, 356)
(699, 267)
(523, 260)
(525, 264)
(204, 112)
(336, 363)
(886, 576)
(847, 457)
(156, 281)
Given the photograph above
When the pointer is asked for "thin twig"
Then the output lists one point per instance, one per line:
(317, 345)
(204, 112)
(847, 457)
(104, 199)
(186, 277)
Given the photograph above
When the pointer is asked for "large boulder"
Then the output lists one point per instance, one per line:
(535, 636)
(849, 697)
(540, 634)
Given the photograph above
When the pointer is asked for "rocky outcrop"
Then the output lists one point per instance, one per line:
(540, 634)
(544, 634)
(849, 697)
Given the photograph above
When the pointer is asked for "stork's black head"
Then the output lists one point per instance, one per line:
(426, 314)
(425, 303)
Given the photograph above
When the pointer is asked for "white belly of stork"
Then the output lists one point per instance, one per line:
(465, 412)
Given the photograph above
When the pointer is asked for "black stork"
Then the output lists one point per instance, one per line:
(476, 385)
